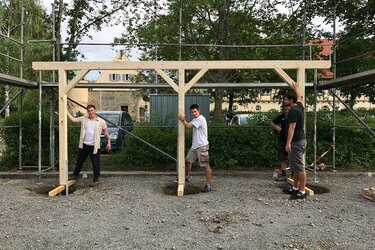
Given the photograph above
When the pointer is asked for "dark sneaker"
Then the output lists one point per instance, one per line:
(94, 183)
(207, 189)
(290, 190)
(298, 196)
(187, 179)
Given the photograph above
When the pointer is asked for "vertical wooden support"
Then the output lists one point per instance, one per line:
(181, 134)
(63, 127)
(301, 80)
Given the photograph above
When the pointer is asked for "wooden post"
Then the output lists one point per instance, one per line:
(181, 134)
(301, 80)
(63, 127)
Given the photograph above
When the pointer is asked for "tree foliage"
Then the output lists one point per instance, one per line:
(36, 26)
(218, 23)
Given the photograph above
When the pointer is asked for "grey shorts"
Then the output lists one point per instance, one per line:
(297, 156)
(201, 154)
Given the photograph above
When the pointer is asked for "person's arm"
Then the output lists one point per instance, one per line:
(288, 145)
(73, 119)
(106, 133)
(298, 92)
(186, 124)
(276, 127)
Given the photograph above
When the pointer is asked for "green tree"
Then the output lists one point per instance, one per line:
(36, 25)
(355, 43)
(81, 17)
(219, 22)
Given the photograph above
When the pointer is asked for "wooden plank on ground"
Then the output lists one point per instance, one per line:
(60, 188)
(309, 191)
(369, 193)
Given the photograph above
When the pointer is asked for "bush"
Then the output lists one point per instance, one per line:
(253, 148)
(30, 141)
(230, 146)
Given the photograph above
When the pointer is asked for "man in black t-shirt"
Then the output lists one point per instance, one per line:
(280, 124)
(296, 143)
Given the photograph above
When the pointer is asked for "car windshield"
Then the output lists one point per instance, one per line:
(244, 119)
(114, 118)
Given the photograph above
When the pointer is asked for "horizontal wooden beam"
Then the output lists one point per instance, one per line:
(309, 191)
(143, 65)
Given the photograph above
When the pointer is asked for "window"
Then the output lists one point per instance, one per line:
(266, 92)
(142, 111)
(127, 77)
(114, 77)
(125, 108)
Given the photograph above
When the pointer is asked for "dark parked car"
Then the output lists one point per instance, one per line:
(117, 135)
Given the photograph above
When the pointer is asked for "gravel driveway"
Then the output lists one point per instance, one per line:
(244, 211)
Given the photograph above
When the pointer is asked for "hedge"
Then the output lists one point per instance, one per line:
(231, 147)
(255, 147)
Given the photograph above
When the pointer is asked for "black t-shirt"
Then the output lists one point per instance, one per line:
(281, 119)
(296, 115)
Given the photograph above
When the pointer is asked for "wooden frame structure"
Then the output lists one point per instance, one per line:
(181, 87)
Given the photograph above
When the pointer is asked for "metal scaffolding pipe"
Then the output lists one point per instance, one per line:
(40, 126)
(167, 86)
(356, 116)
(10, 101)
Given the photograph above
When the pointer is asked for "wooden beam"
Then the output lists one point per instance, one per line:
(167, 79)
(63, 128)
(285, 77)
(309, 191)
(195, 79)
(60, 188)
(143, 65)
(181, 134)
(75, 80)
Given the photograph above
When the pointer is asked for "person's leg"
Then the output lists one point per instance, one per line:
(81, 158)
(203, 158)
(189, 159)
(302, 180)
(296, 180)
(95, 160)
(208, 172)
(283, 155)
(187, 168)
(283, 165)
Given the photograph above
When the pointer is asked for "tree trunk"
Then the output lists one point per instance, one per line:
(59, 14)
(222, 6)
(231, 102)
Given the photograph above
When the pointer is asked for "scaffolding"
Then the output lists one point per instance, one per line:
(180, 87)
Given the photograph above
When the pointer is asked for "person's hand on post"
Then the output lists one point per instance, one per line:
(181, 117)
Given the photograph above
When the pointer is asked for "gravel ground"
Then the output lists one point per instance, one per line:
(244, 211)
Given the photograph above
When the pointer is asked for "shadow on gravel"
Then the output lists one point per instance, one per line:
(171, 189)
(318, 189)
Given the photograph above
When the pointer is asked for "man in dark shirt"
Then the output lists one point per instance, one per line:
(280, 124)
(296, 143)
